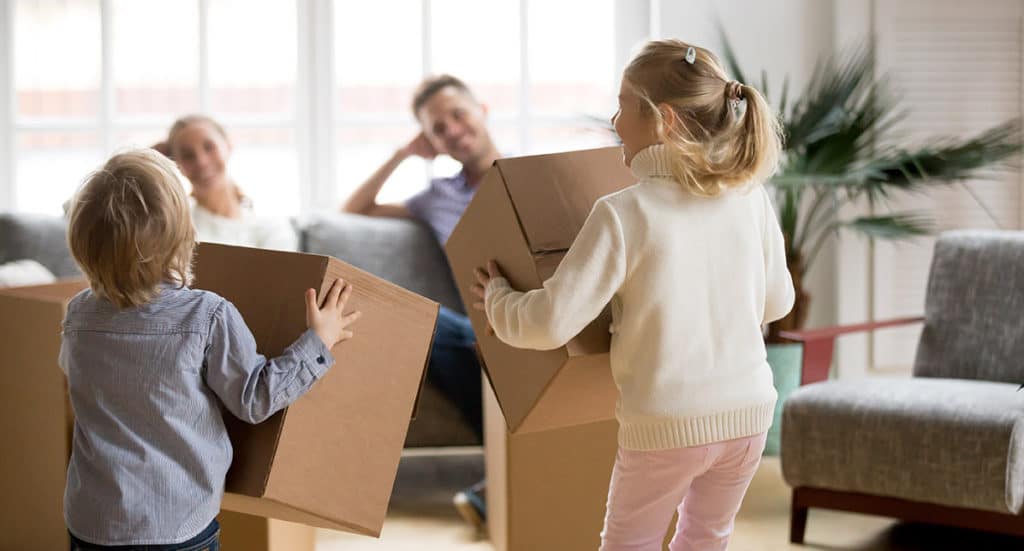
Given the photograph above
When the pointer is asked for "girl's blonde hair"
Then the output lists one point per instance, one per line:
(130, 228)
(725, 134)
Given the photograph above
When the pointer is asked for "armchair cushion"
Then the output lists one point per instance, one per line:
(942, 441)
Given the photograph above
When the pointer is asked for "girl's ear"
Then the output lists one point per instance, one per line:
(668, 115)
(669, 123)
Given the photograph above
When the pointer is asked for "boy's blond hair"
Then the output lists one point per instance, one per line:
(130, 228)
(726, 135)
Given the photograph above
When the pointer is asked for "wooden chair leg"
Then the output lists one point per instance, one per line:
(797, 521)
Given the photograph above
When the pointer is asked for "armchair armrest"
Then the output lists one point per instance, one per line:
(819, 344)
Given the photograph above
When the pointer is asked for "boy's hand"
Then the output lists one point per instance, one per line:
(329, 322)
(480, 288)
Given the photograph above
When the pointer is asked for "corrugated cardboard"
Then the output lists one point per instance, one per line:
(330, 459)
(334, 453)
(526, 214)
(546, 489)
(35, 417)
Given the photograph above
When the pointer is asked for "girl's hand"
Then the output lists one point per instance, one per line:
(480, 288)
(329, 322)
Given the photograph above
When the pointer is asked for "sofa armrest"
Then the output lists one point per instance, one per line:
(819, 344)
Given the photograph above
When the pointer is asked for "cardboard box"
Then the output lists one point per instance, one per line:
(526, 214)
(35, 417)
(37, 423)
(546, 489)
(330, 459)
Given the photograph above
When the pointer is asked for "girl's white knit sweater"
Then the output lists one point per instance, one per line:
(691, 280)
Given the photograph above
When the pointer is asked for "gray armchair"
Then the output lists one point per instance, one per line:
(945, 446)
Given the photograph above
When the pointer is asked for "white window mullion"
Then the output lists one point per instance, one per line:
(204, 56)
(654, 23)
(524, 77)
(316, 84)
(304, 111)
(426, 38)
(107, 97)
(7, 168)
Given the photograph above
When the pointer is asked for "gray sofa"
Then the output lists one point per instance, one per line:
(401, 251)
(946, 445)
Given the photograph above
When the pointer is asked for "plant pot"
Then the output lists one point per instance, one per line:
(786, 361)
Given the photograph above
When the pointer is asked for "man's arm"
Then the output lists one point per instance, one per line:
(364, 200)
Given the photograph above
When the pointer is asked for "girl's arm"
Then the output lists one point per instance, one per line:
(779, 293)
(590, 274)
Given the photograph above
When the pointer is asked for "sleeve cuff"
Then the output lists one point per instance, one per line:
(495, 284)
(312, 351)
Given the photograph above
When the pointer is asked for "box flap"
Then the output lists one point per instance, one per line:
(268, 508)
(489, 229)
(549, 200)
(582, 392)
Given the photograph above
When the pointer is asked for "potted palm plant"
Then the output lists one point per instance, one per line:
(838, 152)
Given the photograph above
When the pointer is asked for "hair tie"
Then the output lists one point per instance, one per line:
(733, 90)
(691, 55)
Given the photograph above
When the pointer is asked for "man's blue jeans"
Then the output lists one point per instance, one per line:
(454, 368)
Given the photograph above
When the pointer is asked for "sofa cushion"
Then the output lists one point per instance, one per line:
(401, 251)
(942, 441)
(973, 324)
(37, 237)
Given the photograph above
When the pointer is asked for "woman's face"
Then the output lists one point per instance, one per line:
(202, 153)
(635, 128)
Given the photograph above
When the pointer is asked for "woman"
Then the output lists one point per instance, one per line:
(221, 212)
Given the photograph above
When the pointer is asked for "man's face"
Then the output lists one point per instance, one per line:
(456, 125)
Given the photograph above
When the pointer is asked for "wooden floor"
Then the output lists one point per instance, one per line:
(422, 518)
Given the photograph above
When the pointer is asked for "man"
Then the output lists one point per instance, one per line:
(452, 122)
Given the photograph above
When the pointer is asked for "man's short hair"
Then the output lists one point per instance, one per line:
(431, 86)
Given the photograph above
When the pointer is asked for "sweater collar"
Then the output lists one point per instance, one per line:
(652, 162)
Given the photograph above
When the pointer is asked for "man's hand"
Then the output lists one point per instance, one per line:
(419, 146)
(329, 322)
(480, 288)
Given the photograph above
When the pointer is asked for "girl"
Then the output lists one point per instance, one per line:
(150, 363)
(692, 260)
(221, 212)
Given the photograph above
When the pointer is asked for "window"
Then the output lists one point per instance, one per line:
(312, 104)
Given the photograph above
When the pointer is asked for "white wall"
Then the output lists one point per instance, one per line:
(780, 37)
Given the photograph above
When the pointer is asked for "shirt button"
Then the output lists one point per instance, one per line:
(320, 359)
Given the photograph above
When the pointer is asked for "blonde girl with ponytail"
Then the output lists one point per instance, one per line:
(691, 259)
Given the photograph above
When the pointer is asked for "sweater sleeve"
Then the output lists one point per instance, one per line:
(589, 275)
(779, 294)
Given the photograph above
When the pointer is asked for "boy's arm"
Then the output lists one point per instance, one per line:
(251, 386)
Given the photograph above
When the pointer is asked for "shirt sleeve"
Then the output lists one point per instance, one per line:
(251, 386)
(417, 204)
(779, 293)
(588, 277)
